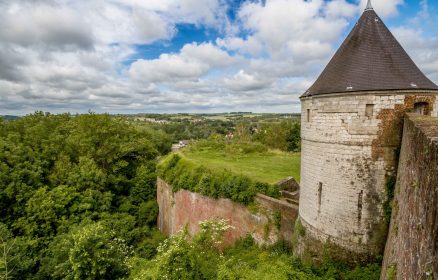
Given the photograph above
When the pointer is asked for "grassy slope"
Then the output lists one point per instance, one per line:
(267, 167)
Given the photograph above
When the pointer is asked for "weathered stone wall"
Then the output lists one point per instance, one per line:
(348, 153)
(185, 208)
(412, 247)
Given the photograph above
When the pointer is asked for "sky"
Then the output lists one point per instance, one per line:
(198, 56)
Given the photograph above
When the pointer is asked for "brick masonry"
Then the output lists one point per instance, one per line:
(349, 144)
(184, 208)
(412, 247)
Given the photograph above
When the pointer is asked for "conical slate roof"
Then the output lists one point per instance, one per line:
(370, 59)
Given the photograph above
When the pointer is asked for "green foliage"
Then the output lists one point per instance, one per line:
(96, 253)
(148, 212)
(183, 257)
(293, 138)
(89, 251)
(390, 188)
(197, 257)
(370, 271)
(277, 219)
(299, 231)
(61, 171)
(14, 254)
(184, 129)
(244, 148)
(251, 159)
(77, 201)
(299, 228)
(391, 273)
(181, 173)
(284, 135)
(6, 256)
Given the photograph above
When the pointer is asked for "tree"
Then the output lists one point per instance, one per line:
(96, 253)
(58, 171)
(293, 138)
(6, 257)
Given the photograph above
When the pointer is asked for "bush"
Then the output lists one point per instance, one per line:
(185, 257)
(197, 257)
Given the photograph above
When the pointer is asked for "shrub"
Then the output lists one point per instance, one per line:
(277, 219)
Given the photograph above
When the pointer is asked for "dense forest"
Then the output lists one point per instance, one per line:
(77, 201)
(77, 196)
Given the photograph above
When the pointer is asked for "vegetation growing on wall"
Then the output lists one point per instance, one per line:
(186, 257)
(390, 188)
(182, 173)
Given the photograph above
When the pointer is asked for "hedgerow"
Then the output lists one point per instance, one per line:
(181, 173)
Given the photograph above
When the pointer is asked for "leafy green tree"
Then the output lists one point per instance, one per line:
(96, 253)
(91, 251)
(47, 210)
(293, 138)
(6, 256)
(58, 171)
(284, 135)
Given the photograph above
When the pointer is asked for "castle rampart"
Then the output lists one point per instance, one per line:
(412, 247)
(267, 221)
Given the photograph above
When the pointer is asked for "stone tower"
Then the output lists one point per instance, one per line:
(351, 129)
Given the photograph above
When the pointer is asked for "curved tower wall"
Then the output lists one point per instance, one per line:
(349, 144)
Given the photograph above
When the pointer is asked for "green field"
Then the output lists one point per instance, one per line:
(269, 167)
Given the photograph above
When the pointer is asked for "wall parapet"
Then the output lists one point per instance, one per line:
(412, 247)
(267, 220)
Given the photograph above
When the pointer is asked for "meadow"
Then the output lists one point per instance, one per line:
(269, 166)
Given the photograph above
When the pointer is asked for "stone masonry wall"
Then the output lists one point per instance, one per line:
(412, 247)
(349, 145)
(185, 208)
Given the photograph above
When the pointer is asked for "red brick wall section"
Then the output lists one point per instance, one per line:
(412, 247)
(185, 208)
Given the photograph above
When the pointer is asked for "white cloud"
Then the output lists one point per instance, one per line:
(210, 12)
(167, 68)
(58, 27)
(63, 55)
(385, 8)
(193, 62)
(422, 49)
(340, 8)
(246, 82)
(285, 25)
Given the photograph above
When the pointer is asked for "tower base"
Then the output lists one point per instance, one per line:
(312, 246)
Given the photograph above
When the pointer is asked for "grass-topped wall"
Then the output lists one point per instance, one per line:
(182, 173)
